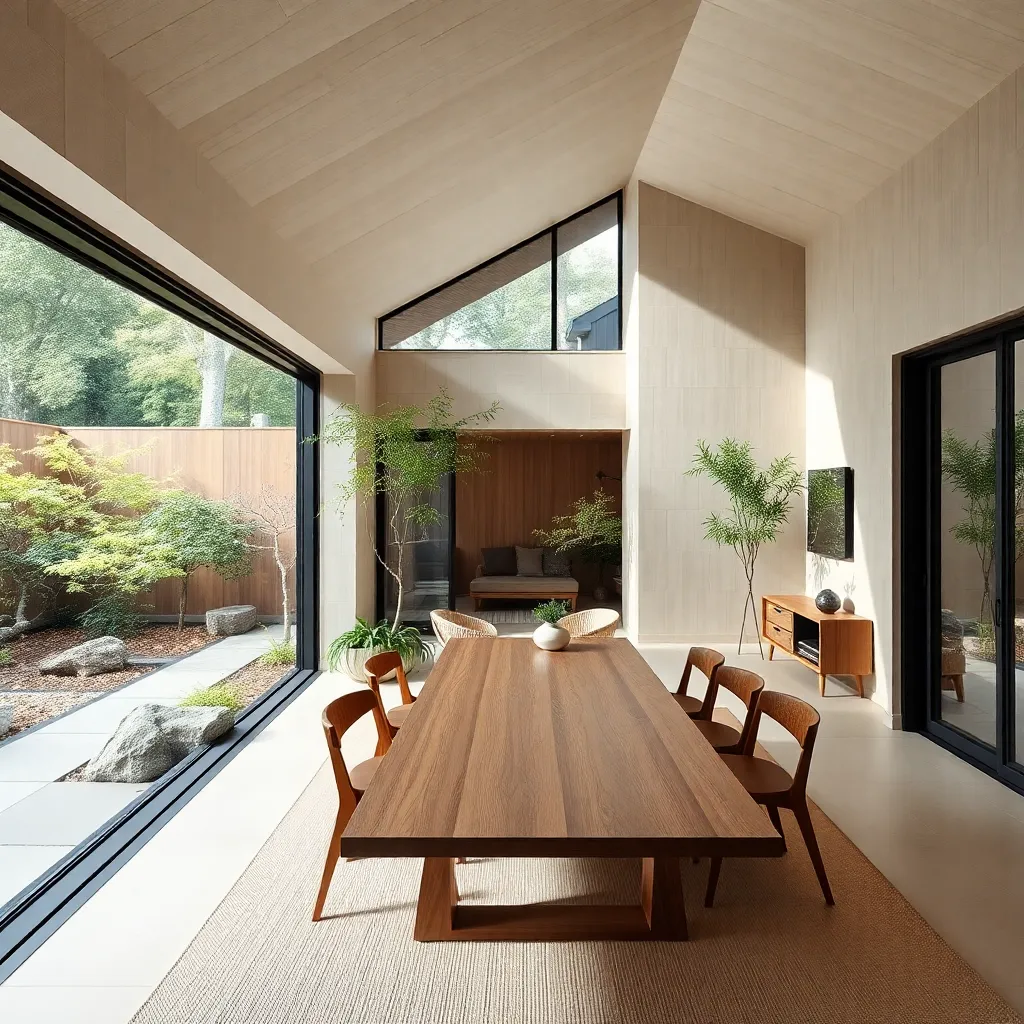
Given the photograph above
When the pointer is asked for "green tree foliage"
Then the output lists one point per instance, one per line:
(57, 322)
(593, 530)
(970, 469)
(415, 449)
(759, 503)
(518, 314)
(199, 533)
(79, 350)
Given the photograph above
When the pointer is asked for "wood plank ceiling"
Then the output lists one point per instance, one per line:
(784, 113)
(399, 142)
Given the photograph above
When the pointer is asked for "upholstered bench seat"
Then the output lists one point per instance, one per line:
(524, 587)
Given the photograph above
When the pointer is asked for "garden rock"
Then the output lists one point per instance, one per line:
(6, 719)
(232, 620)
(152, 739)
(93, 658)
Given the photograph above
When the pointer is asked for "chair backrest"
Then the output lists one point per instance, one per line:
(380, 665)
(448, 625)
(592, 622)
(798, 718)
(747, 686)
(707, 661)
(338, 717)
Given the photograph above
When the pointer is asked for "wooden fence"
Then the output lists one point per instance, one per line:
(218, 462)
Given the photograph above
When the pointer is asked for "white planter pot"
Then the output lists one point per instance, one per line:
(549, 637)
(353, 662)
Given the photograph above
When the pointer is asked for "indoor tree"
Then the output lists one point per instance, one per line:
(970, 469)
(201, 533)
(759, 504)
(404, 453)
(592, 530)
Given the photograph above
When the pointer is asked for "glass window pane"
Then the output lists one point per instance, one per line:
(968, 530)
(183, 452)
(504, 305)
(588, 280)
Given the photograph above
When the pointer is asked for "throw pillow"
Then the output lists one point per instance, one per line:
(556, 563)
(499, 561)
(529, 561)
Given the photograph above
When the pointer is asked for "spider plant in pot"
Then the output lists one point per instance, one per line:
(348, 653)
(549, 635)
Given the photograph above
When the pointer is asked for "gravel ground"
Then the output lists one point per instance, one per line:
(157, 641)
(32, 708)
(253, 679)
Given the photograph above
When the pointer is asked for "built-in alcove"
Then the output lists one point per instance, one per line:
(530, 478)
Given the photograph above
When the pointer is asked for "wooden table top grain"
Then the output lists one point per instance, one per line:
(514, 751)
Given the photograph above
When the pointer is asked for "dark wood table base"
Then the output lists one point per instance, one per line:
(660, 913)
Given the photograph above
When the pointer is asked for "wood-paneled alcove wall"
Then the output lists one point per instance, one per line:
(530, 477)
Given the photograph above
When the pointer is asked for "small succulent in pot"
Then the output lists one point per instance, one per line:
(549, 636)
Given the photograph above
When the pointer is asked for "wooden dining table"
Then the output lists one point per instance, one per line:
(511, 751)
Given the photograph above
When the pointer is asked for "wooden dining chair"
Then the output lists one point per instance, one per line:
(745, 685)
(378, 668)
(708, 662)
(771, 785)
(338, 717)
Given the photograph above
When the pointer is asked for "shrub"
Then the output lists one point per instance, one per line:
(282, 652)
(220, 695)
(6, 658)
(406, 640)
(112, 615)
(551, 611)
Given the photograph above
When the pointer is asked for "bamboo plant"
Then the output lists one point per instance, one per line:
(760, 501)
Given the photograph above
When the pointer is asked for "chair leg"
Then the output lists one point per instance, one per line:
(333, 855)
(803, 819)
(709, 894)
(773, 813)
(958, 687)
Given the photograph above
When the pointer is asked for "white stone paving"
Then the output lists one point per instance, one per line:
(42, 819)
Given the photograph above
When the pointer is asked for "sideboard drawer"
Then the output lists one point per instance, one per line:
(780, 637)
(782, 617)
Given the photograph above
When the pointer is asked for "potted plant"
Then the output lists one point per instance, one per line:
(549, 635)
(348, 652)
(592, 531)
(759, 504)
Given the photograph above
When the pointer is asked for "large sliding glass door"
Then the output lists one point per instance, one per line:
(963, 531)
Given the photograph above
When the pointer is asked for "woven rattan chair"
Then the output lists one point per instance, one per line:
(453, 625)
(592, 622)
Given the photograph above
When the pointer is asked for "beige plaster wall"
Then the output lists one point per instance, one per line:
(719, 351)
(937, 248)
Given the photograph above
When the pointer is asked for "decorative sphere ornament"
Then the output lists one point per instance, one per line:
(828, 602)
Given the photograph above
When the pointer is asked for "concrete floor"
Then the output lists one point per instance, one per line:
(950, 838)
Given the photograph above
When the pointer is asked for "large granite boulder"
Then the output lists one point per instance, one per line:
(232, 620)
(6, 719)
(153, 738)
(93, 658)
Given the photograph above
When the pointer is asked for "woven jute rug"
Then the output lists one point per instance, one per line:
(770, 950)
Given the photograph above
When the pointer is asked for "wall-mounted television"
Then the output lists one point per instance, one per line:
(830, 512)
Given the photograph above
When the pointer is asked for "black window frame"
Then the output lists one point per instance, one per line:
(552, 231)
(920, 549)
(40, 909)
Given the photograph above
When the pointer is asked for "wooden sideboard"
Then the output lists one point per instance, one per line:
(844, 641)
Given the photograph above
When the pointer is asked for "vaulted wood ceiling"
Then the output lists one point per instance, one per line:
(783, 113)
(399, 142)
